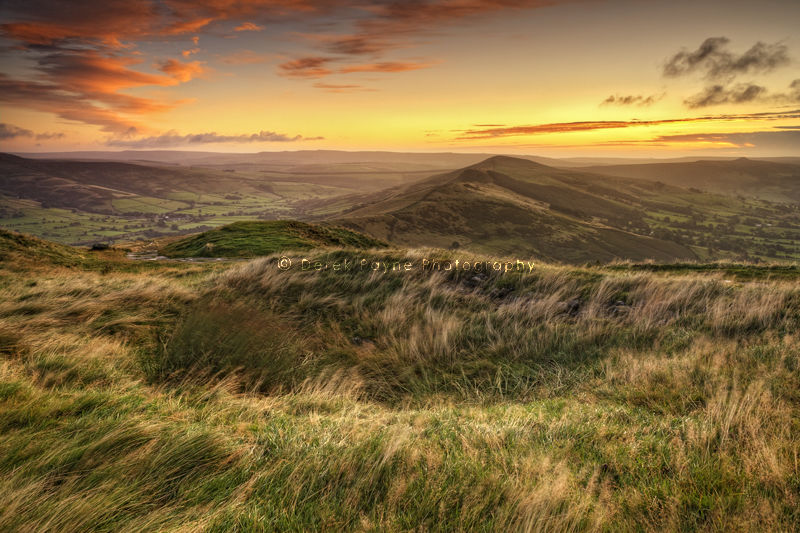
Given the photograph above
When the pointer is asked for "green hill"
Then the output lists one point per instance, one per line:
(256, 238)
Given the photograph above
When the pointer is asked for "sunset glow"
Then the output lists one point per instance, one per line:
(557, 77)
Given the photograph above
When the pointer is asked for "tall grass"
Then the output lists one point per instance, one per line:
(216, 339)
(566, 399)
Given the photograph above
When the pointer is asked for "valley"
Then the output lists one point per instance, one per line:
(497, 205)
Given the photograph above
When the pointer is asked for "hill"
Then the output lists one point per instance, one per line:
(17, 247)
(512, 206)
(94, 186)
(256, 238)
(775, 181)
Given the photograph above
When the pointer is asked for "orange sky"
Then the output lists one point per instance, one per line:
(549, 77)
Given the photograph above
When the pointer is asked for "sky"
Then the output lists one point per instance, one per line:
(559, 78)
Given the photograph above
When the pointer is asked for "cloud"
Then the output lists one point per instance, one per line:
(742, 93)
(793, 96)
(85, 57)
(182, 72)
(395, 24)
(567, 127)
(340, 88)
(306, 67)
(785, 141)
(248, 26)
(714, 60)
(172, 138)
(9, 131)
(50, 98)
(85, 87)
(386, 66)
(49, 136)
(718, 94)
(632, 99)
(315, 67)
(54, 22)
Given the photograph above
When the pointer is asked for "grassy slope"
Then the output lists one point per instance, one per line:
(441, 401)
(251, 239)
(507, 205)
(774, 181)
(18, 247)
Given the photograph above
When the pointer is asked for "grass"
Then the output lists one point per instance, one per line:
(244, 398)
(250, 239)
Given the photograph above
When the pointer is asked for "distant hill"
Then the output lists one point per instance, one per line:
(257, 238)
(430, 160)
(93, 186)
(513, 206)
(775, 181)
(441, 160)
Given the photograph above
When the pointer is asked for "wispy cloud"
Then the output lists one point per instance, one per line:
(781, 141)
(306, 67)
(9, 131)
(631, 100)
(172, 139)
(743, 93)
(318, 67)
(388, 26)
(394, 24)
(248, 26)
(182, 72)
(478, 133)
(719, 94)
(112, 112)
(340, 88)
(386, 66)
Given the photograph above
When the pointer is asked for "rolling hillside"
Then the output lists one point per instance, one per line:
(251, 239)
(513, 206)
(774, 181)
(94, 186)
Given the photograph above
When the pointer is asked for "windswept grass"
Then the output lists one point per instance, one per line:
(245, 398)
